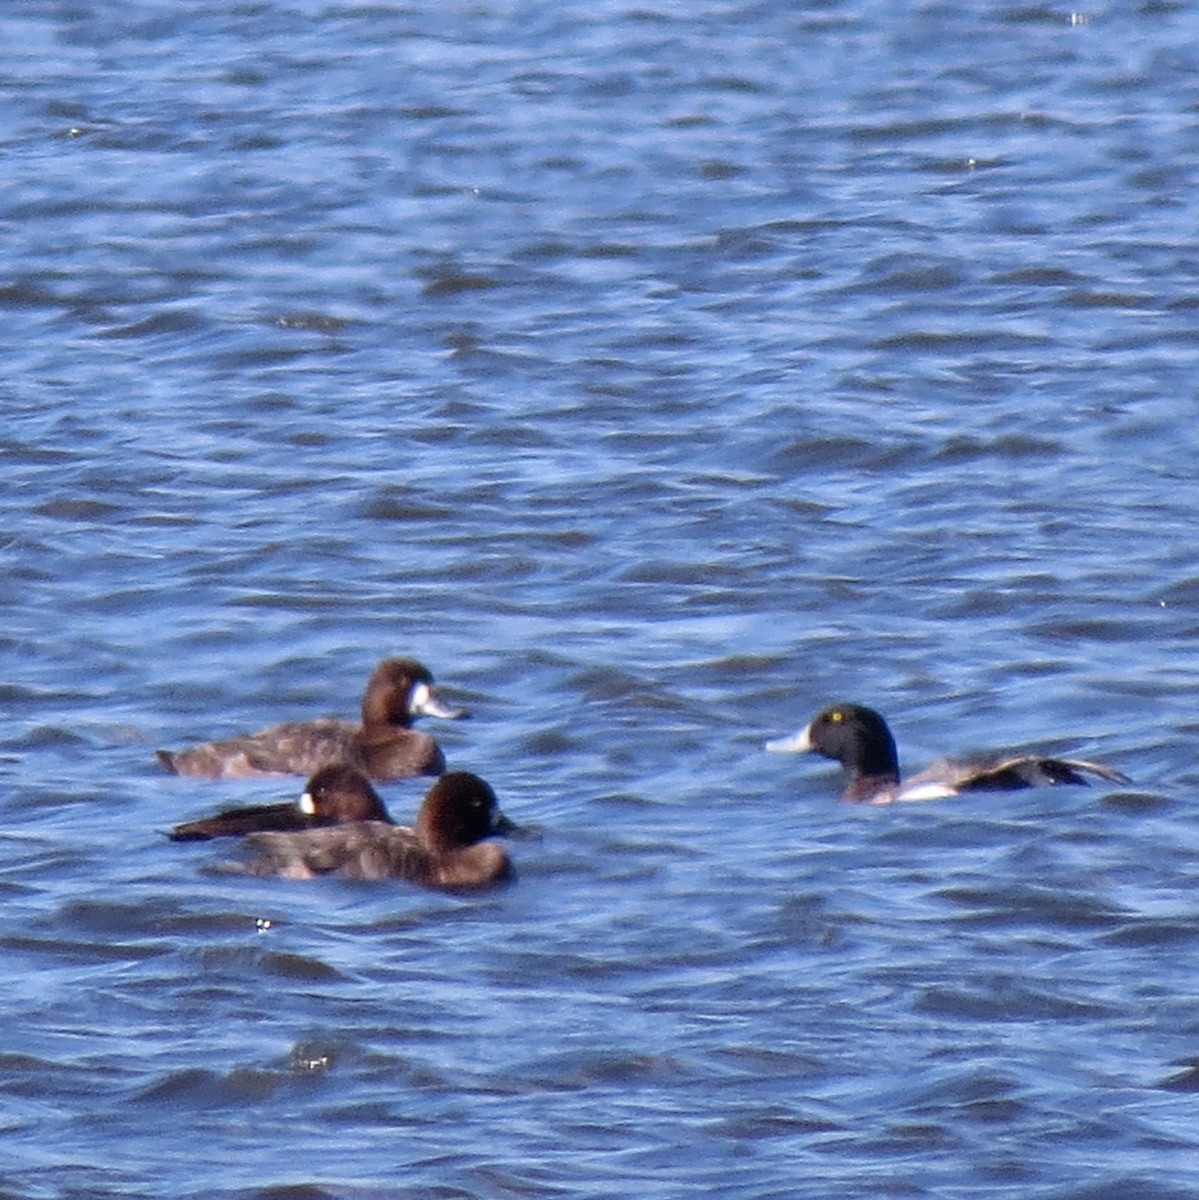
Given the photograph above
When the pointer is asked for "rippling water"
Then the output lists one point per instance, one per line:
(656, 373)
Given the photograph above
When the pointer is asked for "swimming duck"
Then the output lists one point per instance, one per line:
(335, 795)
(858, 738)
(383, 747)
(447, 848)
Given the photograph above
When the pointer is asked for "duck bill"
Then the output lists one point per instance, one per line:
(501, 826)
(797, 743)
(426, 702)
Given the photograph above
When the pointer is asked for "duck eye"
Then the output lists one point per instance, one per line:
(836, 716)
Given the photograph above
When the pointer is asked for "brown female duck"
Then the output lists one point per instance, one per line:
(335, 795)
(383, 746)
(447, 848)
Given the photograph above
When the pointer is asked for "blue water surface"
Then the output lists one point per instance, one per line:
(657, 374)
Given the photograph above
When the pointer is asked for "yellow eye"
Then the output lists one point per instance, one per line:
(836, 716)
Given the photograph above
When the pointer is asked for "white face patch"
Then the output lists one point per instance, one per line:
(424, 702)
(307, 805)
(419, 700)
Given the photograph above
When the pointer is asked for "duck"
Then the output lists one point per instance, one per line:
(860, 740)
(383, 747)
(447, 848)
(336, 795)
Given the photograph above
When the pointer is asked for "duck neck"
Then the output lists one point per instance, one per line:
(877, 762)
(873, 789)
(376, 715)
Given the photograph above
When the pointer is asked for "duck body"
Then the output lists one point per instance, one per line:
(383, 746)
(336, 794)
(859, 739)
(303, 747)
(447, 848)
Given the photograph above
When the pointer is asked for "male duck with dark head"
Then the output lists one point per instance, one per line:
(448, 847)
(335, 795)
(384, 746)
(859, 739)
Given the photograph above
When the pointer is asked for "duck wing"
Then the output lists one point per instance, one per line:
(360, 850)
(294, 748)
(300, 747)
(236, 822)
(1004, 773)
